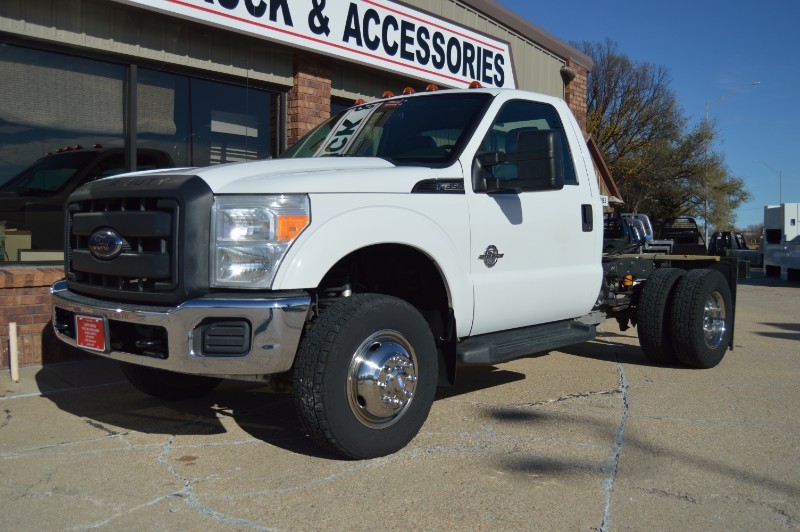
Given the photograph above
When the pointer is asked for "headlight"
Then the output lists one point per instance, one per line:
(250, 236)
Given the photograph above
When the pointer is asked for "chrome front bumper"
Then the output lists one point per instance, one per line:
(276, 324)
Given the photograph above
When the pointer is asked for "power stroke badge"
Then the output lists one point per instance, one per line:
(491, 256)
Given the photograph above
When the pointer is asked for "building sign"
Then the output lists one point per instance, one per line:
(376, 33)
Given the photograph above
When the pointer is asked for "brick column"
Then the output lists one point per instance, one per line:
(575, 91)
(25, 300)
(309, 101)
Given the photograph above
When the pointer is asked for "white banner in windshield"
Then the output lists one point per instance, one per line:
(376, 33)
(340, 137)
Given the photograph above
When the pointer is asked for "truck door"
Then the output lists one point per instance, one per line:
(536, 253)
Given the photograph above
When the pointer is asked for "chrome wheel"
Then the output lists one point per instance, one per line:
(382, 379)
(699, 327)
(714, 320)
(365, 376)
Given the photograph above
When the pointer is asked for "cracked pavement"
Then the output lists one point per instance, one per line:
(592, 437)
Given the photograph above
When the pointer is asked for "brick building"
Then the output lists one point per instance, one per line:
(206, 82)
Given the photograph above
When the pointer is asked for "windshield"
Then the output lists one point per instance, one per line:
(46, 176)
(429, 129)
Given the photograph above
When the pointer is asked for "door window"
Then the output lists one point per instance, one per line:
(515, 120)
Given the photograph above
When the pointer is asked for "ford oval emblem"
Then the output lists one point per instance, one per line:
(106, 244)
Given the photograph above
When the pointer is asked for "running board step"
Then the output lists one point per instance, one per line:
(507, 345)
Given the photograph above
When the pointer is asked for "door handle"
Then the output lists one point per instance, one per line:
(587, 218)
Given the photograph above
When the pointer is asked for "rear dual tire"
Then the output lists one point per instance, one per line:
(654, 315)
(702, 315)
(685, 317)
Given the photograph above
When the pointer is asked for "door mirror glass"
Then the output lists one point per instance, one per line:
(536, 164)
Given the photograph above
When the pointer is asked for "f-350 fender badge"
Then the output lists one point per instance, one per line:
(490, 256)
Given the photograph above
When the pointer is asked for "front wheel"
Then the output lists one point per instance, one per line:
(702, 318)
(365, 376)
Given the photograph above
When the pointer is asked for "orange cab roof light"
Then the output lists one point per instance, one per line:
(388, 94)
(432, 87)
(475, 85)
(409, 90)
(360, 101)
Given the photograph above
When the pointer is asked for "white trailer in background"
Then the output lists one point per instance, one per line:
(782, 240)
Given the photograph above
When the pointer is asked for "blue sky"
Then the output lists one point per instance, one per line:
(710, 47)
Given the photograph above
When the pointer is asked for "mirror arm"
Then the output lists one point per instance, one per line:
(492, 158)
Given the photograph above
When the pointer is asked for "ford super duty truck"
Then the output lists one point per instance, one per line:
(395, 242)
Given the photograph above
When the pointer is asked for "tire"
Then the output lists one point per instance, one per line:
(654, 315)
(365, 376)
(701, 314)
(168, 385)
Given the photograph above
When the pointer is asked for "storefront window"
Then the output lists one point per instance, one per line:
(62, 124)
(200, 122)
(49, 103)
(229, 124)
(339, 104)
(162, 117)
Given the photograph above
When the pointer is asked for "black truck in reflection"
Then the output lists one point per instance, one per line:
(34, 199)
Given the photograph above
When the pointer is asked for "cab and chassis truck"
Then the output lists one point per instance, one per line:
(396, 242)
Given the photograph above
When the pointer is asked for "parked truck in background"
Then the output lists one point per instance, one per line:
(395, 242)
(652, 244)
(686, 235)
(781, 243)
(34, 199)
(733, 244)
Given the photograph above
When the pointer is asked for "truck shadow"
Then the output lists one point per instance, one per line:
(554, 465)
(784, 331)
(264, 412)
(475, 378)
(96, 392)
(117, 408)
(613, 352)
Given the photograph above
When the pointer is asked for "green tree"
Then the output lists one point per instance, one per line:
(663, 168)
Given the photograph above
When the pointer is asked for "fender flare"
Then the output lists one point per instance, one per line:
(322, 244)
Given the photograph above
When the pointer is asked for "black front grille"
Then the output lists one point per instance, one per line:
(162, 222)
(148, 262)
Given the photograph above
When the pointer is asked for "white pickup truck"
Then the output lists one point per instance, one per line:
(395, 242)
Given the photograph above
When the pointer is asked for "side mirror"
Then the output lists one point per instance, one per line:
(541, 165)
(538, 165)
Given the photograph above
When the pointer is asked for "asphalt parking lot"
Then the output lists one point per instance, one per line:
(592, 437)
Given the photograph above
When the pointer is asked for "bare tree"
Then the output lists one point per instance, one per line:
(752, 234)
(662, 168)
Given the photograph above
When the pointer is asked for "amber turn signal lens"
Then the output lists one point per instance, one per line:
(289, 226)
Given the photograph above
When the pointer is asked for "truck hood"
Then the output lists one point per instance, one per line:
(310, 175)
